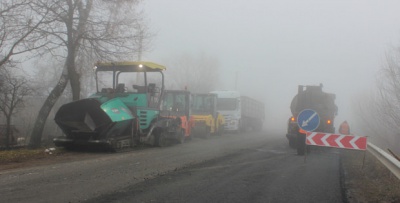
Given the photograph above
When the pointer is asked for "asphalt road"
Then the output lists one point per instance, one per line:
(251, 167)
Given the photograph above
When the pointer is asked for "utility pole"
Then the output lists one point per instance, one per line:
(236, 80)
(140, 49)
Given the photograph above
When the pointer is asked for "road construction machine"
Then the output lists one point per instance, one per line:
(123, 112)
(206, 119)
(176, 104)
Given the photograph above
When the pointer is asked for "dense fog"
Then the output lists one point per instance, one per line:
(263, 49)
(267, 48)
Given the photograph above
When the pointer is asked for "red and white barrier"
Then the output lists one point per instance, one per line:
(336, 140)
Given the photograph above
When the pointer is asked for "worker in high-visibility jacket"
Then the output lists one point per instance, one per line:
(344, 128)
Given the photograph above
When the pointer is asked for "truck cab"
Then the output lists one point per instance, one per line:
(241, 113)
(228, 105)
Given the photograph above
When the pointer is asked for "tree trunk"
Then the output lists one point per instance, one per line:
(36, 135)
(72, 48)
(75, 83)
(8, 131)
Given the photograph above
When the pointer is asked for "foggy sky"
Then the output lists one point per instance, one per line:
(274, 46)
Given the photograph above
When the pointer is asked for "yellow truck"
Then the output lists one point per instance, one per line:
(206, 119)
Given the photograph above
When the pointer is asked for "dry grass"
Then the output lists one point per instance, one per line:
(22, 158)
(22, 155)
(10, 156)
(371, 182)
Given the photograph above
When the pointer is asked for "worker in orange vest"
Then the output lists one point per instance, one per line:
(344, 128)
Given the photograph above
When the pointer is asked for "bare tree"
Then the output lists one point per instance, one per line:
(45, 77)
(198, 74)
(389, 89)
(18, 25)
(19, 34)
(379, 112)
(13, 93)
(96, 30)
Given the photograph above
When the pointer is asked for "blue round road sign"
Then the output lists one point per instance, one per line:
(308, 120)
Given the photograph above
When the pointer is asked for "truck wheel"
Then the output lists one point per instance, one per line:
(292, 143)
(162, 140)
(152, 140)
(207, 133)
(181, 137)
(192, 134)
(219, 132)
(300, 149)
(301, 143)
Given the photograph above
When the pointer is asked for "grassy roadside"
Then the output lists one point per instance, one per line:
(21, 158)
(371, 182)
